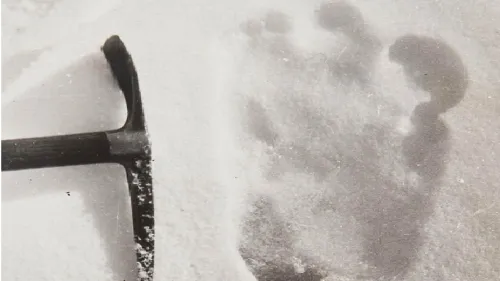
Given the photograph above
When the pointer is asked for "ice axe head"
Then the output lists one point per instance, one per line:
(125, 74)
(131, 147)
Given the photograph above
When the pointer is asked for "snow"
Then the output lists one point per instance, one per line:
(247, 168)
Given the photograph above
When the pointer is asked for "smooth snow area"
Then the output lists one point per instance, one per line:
(292, 140)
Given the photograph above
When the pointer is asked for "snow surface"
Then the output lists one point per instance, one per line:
(280, 142)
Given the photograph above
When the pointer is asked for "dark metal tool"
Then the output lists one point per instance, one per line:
(128, 146)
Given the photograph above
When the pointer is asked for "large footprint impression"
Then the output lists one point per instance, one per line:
(340, 187)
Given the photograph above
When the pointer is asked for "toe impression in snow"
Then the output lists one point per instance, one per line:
(129, 146)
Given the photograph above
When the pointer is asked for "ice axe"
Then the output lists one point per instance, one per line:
(128, 146)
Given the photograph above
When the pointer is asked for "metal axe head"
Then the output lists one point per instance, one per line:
(131, 143)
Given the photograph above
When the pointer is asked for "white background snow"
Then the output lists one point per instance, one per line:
(74, 223)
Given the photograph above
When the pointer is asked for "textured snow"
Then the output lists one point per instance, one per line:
(264, 165)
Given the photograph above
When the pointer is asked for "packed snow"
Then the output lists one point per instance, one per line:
(291, 139)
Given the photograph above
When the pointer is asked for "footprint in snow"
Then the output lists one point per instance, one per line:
(349, 192)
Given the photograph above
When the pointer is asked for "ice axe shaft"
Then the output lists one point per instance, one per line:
(55, 151)
(76, 149)
(128, 146)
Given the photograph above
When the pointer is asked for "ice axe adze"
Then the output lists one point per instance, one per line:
(128, 146)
